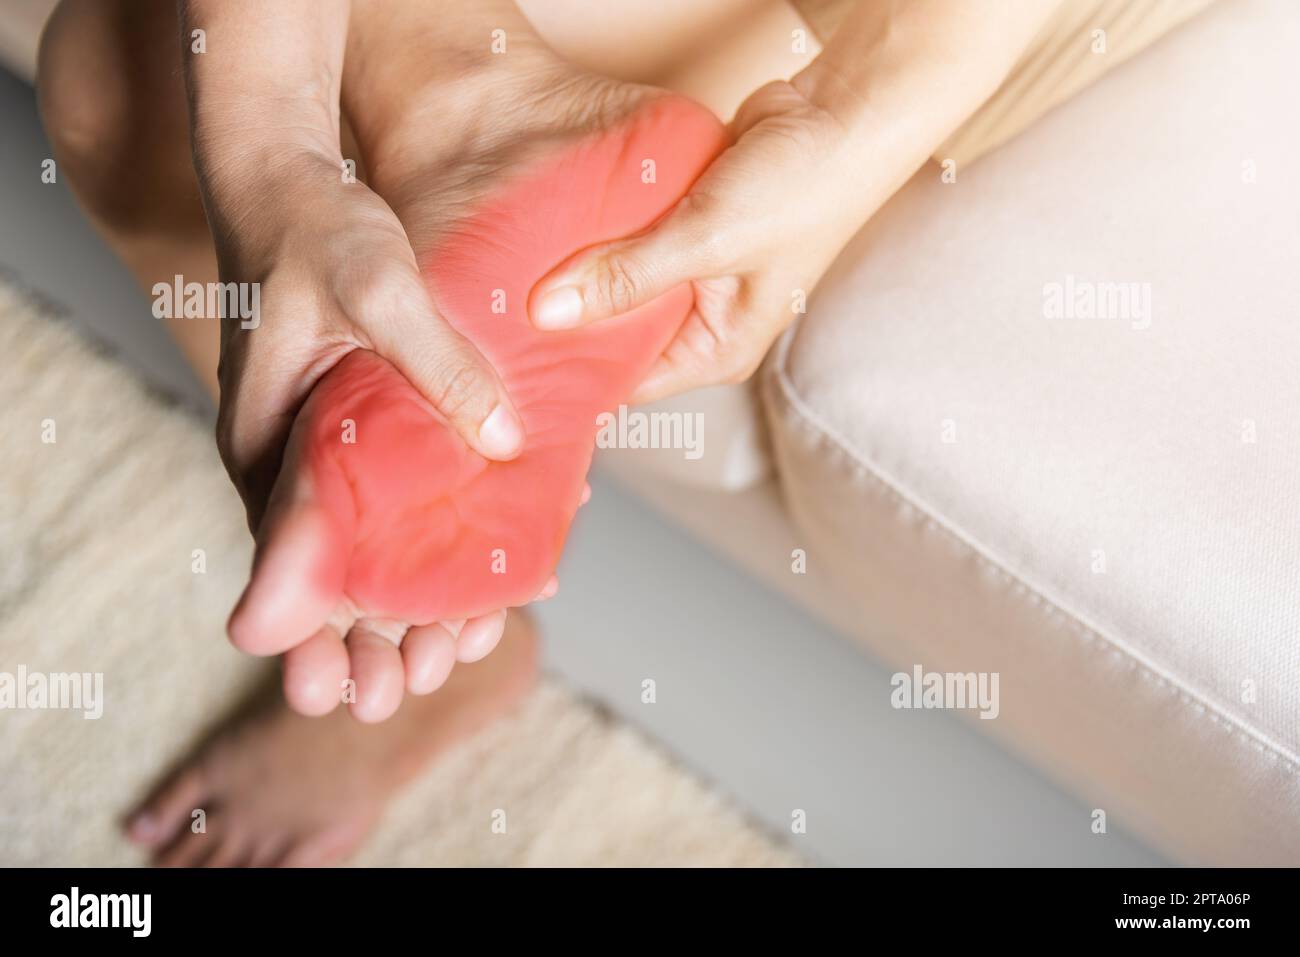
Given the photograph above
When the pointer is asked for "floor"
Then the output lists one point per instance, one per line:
(775, 728)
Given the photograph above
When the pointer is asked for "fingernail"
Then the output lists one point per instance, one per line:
(559, 309)
(500, 435)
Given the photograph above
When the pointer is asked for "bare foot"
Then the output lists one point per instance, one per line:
(538, 171)
(280, 789)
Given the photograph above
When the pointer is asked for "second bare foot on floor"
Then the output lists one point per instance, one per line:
(280, 789)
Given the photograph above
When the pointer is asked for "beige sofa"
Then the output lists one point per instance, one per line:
(1105, 511)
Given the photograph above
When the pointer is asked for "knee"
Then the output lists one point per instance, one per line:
(112, 104)
(80, 89)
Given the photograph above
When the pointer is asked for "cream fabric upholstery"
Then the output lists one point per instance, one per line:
(1080, 42)
(1065, 57)
(1168, 686)
(21, 22)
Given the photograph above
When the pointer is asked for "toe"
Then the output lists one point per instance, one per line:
(377, 671)
(314, 673)
(324, 847)
(269, 850)
(429, 654)
(230, 850)
(167, 809)
(188, 850)
(479, 636)
(296, 582)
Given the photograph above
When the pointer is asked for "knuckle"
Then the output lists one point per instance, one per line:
(617, 283)
(459, 387)
(704, 228)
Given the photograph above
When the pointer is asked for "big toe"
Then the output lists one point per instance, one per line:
(158, 820)
(297, 581)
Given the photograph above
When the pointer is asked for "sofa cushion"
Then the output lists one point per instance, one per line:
(1045, 421)
(21, 22)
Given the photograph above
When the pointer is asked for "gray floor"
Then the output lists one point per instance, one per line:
(752, 694)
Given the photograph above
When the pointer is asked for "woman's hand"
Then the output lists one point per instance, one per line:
(334, 272)
(812, 159)
(754, 235)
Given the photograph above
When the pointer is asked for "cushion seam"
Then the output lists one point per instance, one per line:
(809, 420)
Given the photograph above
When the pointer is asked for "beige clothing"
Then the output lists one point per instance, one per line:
(1067, 55)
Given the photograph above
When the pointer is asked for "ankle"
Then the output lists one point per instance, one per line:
(455, 68)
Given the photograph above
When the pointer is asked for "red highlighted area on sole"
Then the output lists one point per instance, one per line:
(422, 528)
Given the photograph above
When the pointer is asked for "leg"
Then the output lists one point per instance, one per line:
(112, 101)
(281, 789)
(114, 108)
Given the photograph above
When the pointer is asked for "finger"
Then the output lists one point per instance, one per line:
(618, 277)
(314, 673)
(721, 347)
(429, 654)
(447, 369)
(251, 437)
(586, 494)
(775, 98)
(690, 361)
(479, 636)
(377, 670)
(667, 378)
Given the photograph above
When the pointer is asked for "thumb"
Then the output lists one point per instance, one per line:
(617, 277)
(447, 369)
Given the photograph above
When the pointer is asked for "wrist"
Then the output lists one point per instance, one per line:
(261, 78)
(264, 133)
(255, 196)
